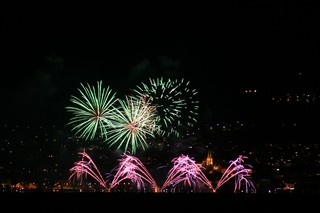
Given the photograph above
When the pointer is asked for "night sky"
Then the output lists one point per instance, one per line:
(45, 56)
(269, 47)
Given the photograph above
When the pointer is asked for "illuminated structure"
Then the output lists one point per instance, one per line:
(209, 164)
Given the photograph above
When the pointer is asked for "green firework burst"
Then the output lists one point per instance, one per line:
(175, 102)
(93, 111)
(134, 123)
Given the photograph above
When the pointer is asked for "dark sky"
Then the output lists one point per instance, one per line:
(45, 56)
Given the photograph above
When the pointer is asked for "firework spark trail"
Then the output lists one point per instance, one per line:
(185, 170)
(93, 111)
(85, 167)
(244, 177)
(237, 170)
(133, 169)
(135, 121)
(248, 184)
(189, 112)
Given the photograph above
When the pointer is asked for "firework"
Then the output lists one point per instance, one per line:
(189, 111)
(174, 101)
(241, 173)
(86, 167)
(135, 120)
(93, 111)
(187, 172)
(131, 168)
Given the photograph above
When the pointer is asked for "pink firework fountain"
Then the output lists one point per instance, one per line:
(186, 172)
(241, 173)
(131, 168)
(86, 167)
